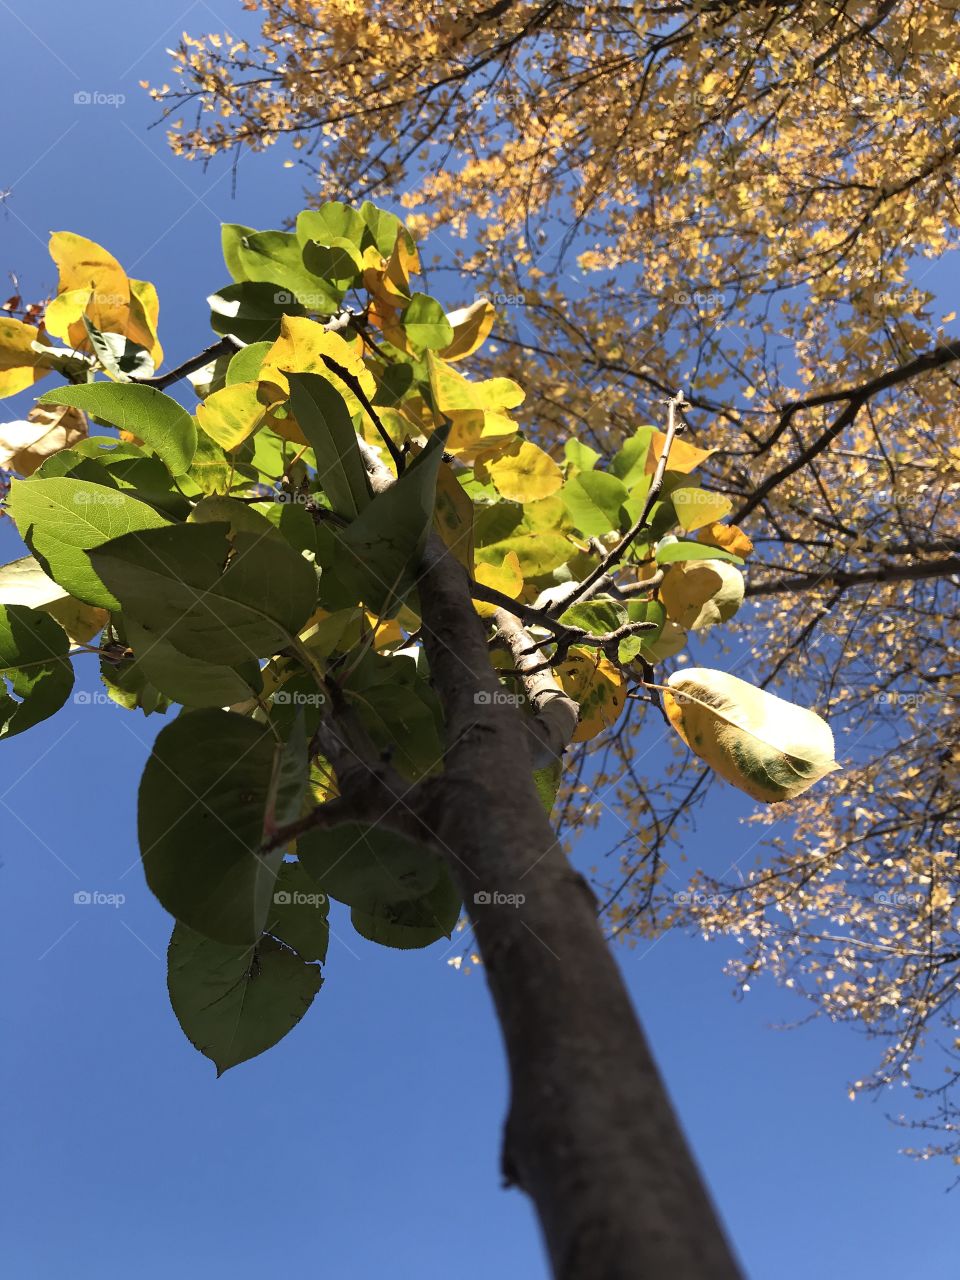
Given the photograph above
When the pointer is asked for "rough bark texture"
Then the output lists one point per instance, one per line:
(591, 1135)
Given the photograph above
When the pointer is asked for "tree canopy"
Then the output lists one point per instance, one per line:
(746, 201)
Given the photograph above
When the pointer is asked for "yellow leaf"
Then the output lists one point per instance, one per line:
(20, 366)
(95, 285)
(683, 457)
(80, 621)
(696, 507)
(453, 392)
(48, 428)
(98, 286)
(506, 578)
(453, 517)
(473, 433)
(471, 327)
(231, 414)
(300, 349)
(768, 747)
(700, 593)
(144, 318)
(597, 686)
(729, 537)
(391, 284)
(523, 473)
(667, 644)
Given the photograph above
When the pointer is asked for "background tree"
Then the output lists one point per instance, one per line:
(745, 199)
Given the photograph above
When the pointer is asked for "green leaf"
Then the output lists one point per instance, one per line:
(189, 681)
(275, 257)
(34, 668)
(426, 323)
(126, 683)
(298, 913)
(673, 552)
(385, 542)
(538, 553)
(235, 1002)
(630, 464)
(159, 421)
(580, 455)
(402, 718)
(647, 611)
(251, 312)
(333, 221)
(382, 227)
(596, 616)
(364, 865)
(225, 599)
(324, 419)
(417, 922)
(393, 383)
(245, 365)
(594, 499)
(62, 519)
(124, 467)
(204, 798)
(211, 468)
(336, 262)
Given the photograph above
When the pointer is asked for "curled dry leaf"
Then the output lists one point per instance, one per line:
(47, 429)
(768, 747)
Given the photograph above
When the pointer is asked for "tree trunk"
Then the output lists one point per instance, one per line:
(591, 1135)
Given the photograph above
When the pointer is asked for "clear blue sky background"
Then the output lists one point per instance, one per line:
(365, 1146)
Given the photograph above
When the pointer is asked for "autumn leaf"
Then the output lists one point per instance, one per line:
(20, 365)
(700, 593)
(46, 430)
(471, 326)
(768, 747)
(597, 686)
(728, 537)
(523, 472)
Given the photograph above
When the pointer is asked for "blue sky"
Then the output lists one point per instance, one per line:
(366, 1144)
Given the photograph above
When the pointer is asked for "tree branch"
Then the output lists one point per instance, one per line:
(842, 578)
(555, 715)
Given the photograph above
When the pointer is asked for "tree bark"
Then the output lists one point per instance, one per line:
(591, 1135)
